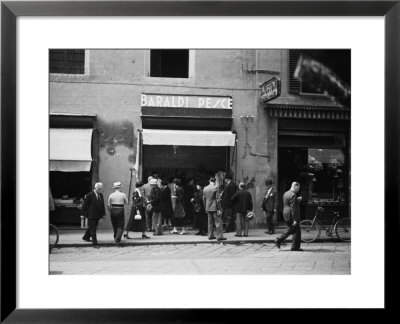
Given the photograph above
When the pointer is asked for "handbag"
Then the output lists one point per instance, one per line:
(179, 211)
(138, 216)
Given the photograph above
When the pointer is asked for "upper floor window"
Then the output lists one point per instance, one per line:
(337, 60)
(172, 63)
(67, 61)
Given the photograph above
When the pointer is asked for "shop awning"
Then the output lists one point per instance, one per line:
(188, 137)
(70, 149)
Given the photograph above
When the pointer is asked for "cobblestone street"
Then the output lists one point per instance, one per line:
(248, 258)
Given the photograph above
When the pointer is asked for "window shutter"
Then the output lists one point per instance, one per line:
(294, 84)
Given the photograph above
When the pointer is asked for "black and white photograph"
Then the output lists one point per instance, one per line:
(172, 161)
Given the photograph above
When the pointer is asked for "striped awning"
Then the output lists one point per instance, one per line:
(308, 112)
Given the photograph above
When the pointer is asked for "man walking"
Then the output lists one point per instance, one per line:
(93, 209)
(270, 205)
(242, 204)
(291, 214)
(210, 204)
(227, 203)
(116, 202)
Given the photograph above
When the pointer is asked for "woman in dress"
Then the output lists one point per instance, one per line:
(179, 218)
(137, 209)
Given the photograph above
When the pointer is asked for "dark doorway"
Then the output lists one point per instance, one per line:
(292, 166)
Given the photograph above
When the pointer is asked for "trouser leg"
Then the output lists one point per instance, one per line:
(148, 220)
(287, 233)
(113, 218)
(218, 225)
(296, 237)
(210, 216)
(245, 223)
(119, 224)
(157, 223)
(238, 223)
(270, 223)
(92, 223)
(86, 236)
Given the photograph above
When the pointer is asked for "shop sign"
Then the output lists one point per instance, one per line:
(270, 90)
(176, 101)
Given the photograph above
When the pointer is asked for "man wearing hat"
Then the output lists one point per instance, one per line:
(270, 205)
(155, 201)
(147, 191)
(116, 202)
(227, 204)
(243, 203)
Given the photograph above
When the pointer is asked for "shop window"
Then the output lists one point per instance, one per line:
(337, 60)
(169, 63)
(67, 61)
(326, 175)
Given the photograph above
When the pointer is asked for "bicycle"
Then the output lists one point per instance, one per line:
(311, 229)
(53, 236)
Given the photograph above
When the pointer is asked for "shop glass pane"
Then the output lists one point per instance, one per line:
(326, 175)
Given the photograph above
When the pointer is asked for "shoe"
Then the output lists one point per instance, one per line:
(296, 250)
(198, 233)
(221, 239)
(182, 233)
(277, 244)
(212, 238)
(96, 246)
(145, 237)
(87, 240)
(245, 235)
(203, 234)
(238, 235)
(271, 232)
(174, 232)
(126, 236)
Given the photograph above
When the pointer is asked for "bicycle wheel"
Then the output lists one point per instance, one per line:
(309, 231)
(53, 236)
(343, 229)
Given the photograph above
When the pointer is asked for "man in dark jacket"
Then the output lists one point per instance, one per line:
(270, 205)
(93, 209)
(228, 216)
(242, 204)
(155, 201)
(291, 214)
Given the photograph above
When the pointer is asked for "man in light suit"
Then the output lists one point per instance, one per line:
(291, 214)
(270, 205)
(210, 204)
(93, 209)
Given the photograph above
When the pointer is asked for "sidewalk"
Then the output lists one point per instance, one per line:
(73, 238)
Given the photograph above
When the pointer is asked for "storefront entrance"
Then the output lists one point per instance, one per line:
(319, 160)
(198, 162)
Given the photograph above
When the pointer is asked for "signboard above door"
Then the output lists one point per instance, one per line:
(178, 101)
(270, 90)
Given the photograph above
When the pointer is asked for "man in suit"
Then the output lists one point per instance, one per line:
(211, 207)
(270, 205)
(243, 203)
(155, 201)
(93, 209)
(147, 190)
(227, 203)
(291, 214)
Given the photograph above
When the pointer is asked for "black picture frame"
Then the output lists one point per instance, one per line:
(10, 10)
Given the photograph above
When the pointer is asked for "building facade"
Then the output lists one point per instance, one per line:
(120, 115)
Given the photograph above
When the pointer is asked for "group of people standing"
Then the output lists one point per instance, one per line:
(158, 201)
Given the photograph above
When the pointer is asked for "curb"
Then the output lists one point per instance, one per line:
(233, 242)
